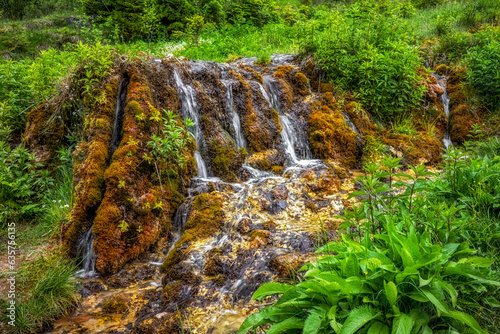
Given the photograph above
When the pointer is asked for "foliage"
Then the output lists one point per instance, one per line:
(169, 146)
(484, 71)
(404, 264)
(21, 9)
(49, 290)
(368, 53)
(257, 12)
(22, 184)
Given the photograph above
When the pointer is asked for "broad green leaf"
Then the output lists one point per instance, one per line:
(269, 289)
(358, 318)
(391, 292)
(440, 306)
(481, 262)
(255, 320)
(290, 323)
(403, 324)
(378, 327)
(468, 320)
(312, 325)
(451, 291)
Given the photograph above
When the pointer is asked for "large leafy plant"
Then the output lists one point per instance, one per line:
(401, 267)
(366, 51)
(22, 184)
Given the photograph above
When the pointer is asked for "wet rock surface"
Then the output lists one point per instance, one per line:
(257, 211)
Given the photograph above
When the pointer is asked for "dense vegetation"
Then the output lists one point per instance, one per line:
(416, 257)
(426, 245)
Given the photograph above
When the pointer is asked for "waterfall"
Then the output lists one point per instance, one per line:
(190, 110)
(238, 130)
(86, 249)
(445, 100)
(289, 135)
(121, 100)
(288, 138)
(85, 246)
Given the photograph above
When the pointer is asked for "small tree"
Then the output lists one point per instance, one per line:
(150, 19)
(195, 25)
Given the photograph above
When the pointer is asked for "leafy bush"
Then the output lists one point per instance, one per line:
(366, 53)
(257, 12)
(426, 3)
(401, 284)
(168, 148)
(22, 184)
(403, 266)
(484, 71)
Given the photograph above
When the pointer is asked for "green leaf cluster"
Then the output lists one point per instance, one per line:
(22, 184)
(484, 73)
(404, 265)
(366, 49)
(169, 146)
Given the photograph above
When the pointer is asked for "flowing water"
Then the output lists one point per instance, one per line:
(85, 247)
(445, 100)
(271, 222)
(189, 110)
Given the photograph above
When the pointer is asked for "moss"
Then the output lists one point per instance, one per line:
(442, 69)
(206, 217)
(326, 87)
(117, 304)
(226, 161)
(283, 71)
(277, 169)
(302, 83)
(266, 160)
(330, 137)
(259, 233)
(254, 75)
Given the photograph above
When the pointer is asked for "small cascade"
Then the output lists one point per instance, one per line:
(85, 246)
(351, 125)
(445, 100)
(289, 138)
(289, 135)
(189, 110)
(86, 249)
(238, 130)
(272, 93)
(118, 124)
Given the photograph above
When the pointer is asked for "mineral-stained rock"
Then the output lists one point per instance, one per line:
(286, 266)
(279, 193)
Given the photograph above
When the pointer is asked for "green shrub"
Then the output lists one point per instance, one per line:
(404, 264)
(22, 184)
(401, 284)
(257, 12)
(484, 72)
(426, 3)
(364, 51)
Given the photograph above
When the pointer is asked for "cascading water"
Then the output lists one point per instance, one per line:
(267, 219)
(289, 134)
(85, 246)
(189, 110)
(239, 138)
(445, 100)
